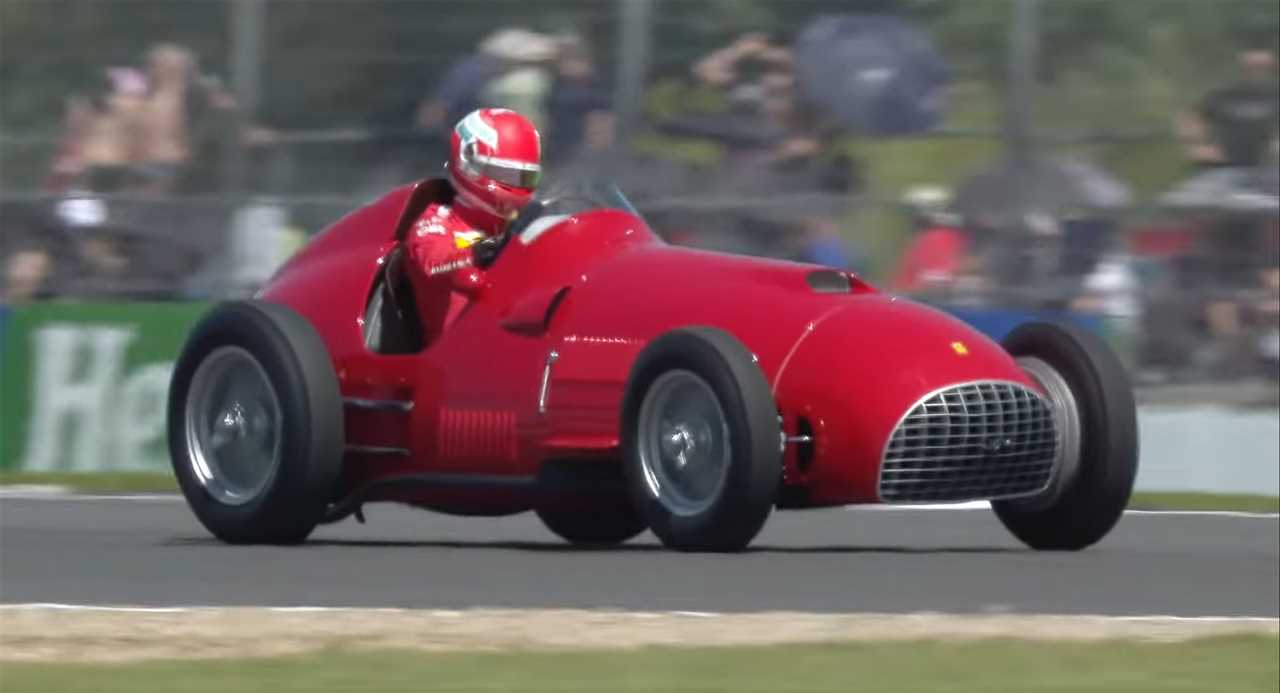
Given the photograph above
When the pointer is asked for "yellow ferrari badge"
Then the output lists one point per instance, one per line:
(960, 348)
(465, 239)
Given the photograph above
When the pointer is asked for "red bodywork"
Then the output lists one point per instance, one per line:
(846, 363)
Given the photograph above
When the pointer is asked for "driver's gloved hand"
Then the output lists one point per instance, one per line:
(484, 252)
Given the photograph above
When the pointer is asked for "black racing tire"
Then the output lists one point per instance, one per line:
(730, 516)
(308, 432)
(585, 502)
(597, 524)
(1088, 503)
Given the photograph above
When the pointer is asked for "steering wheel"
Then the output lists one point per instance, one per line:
(536, 208)
(532, 210)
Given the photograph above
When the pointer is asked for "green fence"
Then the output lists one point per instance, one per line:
(83, 385)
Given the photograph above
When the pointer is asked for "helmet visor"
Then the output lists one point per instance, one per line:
(517, 174)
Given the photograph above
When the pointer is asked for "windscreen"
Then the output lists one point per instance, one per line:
(575, 197)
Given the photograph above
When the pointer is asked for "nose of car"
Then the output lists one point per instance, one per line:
(861, 369)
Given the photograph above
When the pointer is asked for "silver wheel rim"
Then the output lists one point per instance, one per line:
(684, 442)
(1066, 420)
(233, 426)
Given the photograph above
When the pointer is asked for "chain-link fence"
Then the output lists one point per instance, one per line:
(1003, 159)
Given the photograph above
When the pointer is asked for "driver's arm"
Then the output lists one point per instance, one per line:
(439, 257)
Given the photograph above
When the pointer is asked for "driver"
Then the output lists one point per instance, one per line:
(494, 167)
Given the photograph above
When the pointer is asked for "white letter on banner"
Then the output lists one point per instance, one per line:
(140, 419)
(60, 395)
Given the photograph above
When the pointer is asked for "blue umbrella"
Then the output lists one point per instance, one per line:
(873, 74)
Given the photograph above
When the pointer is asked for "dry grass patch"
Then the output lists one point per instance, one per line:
(61, 635)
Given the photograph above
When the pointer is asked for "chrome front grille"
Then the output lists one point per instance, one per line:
(980, 440)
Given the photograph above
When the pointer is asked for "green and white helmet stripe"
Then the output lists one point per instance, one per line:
(473, 129)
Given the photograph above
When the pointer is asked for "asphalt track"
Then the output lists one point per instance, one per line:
(154, 553)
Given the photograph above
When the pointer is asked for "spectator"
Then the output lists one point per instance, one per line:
(1267, 308)
(754, 75)
(217, 127)
(27, 271)
(825, 245)
(1231, 134)
(1111, 289)
(775, 149)
(458, 92)
(162, 131)
(101, 134)
(767, 129)
(808, 160)
(1112, 292)
(187, 117)
(524, 82)
(1244, 323)
(1236, 125)
(94, 260)
(579, 107)
(936, 257)
(67, 165)
(745, 69)
(166, 118)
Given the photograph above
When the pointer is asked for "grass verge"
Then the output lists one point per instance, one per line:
(163, 482)
(1225, 665)
(1205, 501)
(96, 482)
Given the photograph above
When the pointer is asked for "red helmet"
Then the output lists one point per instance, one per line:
(494, 162)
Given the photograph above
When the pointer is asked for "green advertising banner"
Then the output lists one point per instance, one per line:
(4, 321)
(83, 385)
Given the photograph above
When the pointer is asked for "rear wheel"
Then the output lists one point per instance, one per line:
(586, 503)
(701, 440)
(593, 524)
(1097, 427)
(255, 424)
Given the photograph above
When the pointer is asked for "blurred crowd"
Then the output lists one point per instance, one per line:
(1193, 287)
(1192, 290)
(551, 79)
(157, 128)
(780, 159)
(145, 134)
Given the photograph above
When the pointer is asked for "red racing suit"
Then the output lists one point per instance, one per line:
(439, 249)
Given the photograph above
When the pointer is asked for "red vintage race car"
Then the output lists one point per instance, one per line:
(612, 383)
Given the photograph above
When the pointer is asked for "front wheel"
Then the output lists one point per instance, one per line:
(255, 424)
(1097, 427)
(701, 440)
